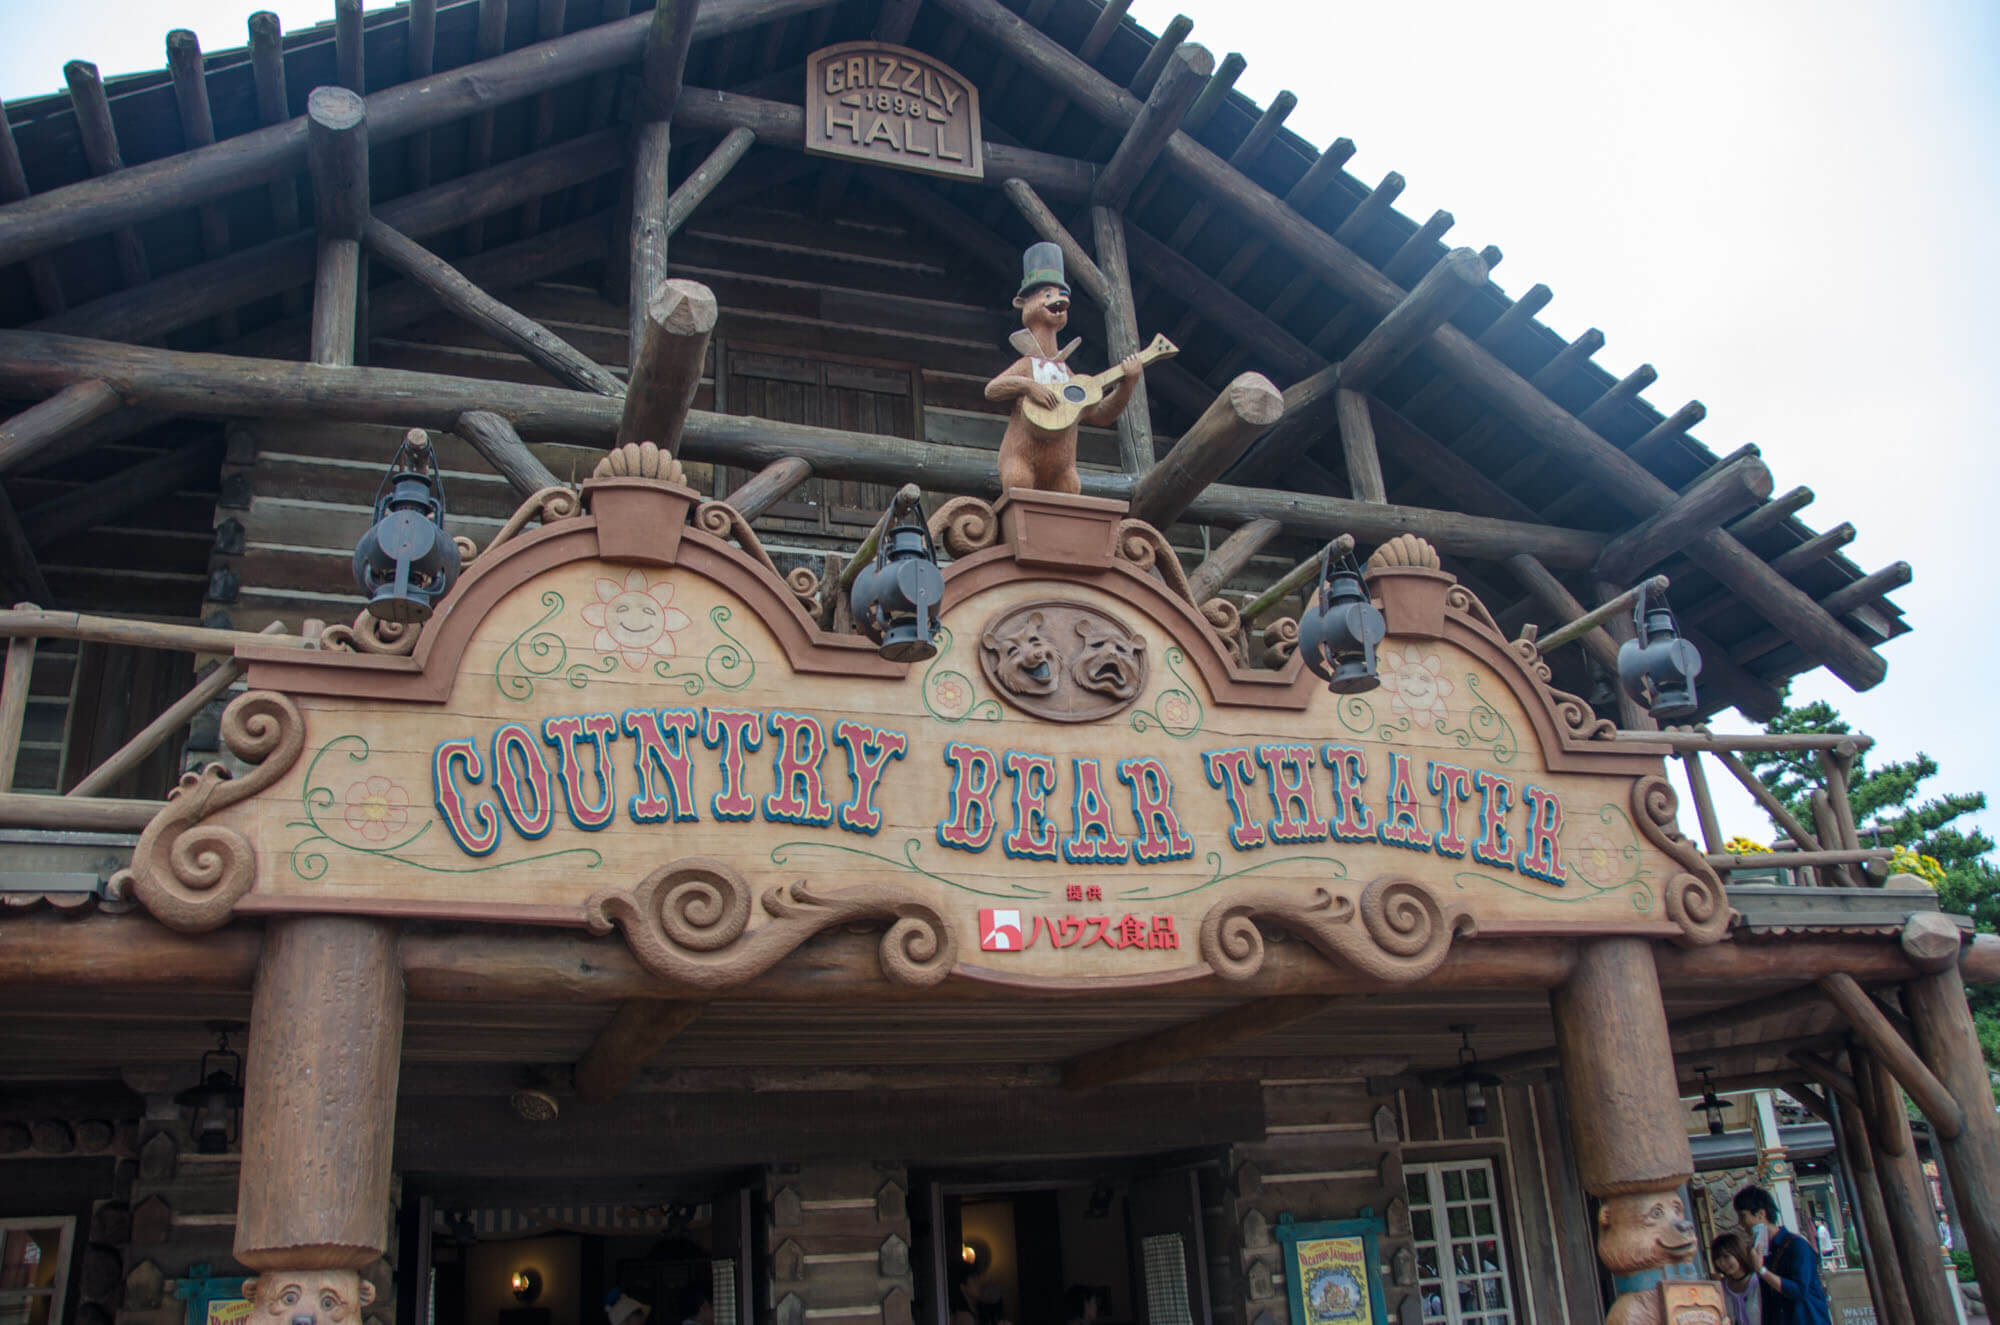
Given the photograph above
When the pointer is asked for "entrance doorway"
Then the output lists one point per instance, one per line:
(1122, 1250)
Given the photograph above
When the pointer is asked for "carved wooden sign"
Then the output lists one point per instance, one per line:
(608, 727)
(891, 106)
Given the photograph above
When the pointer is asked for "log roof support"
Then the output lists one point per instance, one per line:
(36, 428)
(100, 151)
(636, 1032)
(339, 155)
(97, 206)
(666, 373)
(1244, 408)
(190, 77)
(1121, 334)
(1706, 505)
(494, 438)
(1554, 598)
(1887, 1044)
(663, 66)
(1154, 65)
(769, 486)
(489, 43)
(14, 187)
(1229, 558)
(1082, 269)
(422, 49)
(460, 296)
(1157, 121)
(704, 178)
(1213, 1034)
(267, 69)
(549, 18)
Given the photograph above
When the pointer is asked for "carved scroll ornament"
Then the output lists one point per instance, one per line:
(191, 874)
(689, 921)
(725, 521)
(1397, 931)
(1696, 900)
(964, 525)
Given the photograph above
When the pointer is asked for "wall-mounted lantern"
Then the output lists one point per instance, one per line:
(1340, 629)
(527, 1285)
(1658, 667)
(217, 1100)
(896, 598)
(406, 561)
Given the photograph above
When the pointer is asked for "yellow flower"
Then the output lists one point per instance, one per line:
(1743, 846)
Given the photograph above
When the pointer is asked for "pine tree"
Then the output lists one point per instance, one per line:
(1888, 813)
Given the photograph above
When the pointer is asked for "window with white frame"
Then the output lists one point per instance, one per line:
(34, 1269)
(1461, 1253)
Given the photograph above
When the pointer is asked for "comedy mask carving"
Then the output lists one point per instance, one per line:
(1111, 660)
(1063, 661)
(1020, 657)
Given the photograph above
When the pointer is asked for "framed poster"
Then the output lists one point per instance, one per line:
(1330, 1271)
(211, 1300)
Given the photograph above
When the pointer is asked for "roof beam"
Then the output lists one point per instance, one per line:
(267, 69)
(339, 154)
(1244, 409)
(1894, 1052)
(1229, 557)
(1156, 122)
(14, 187)
(1150, 68)
(663, 75)
(489, 44)
(217, 384)
(184, 60)
(100, 152)
(122, 492)
(1077, 262)
(1216, 1033)
(460, 296)
(422, 50)
(636, 1032)
(666, 373)
(1707, 504)
(549, 18)
(40, 426)
(494, 438)
(94, 207)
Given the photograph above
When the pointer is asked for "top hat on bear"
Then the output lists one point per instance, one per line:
(1042, 265)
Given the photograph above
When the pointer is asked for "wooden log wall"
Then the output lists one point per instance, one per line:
(839, 1240)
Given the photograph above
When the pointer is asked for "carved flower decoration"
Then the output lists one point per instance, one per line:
(1416, 685)
(951, 694)
(635, 620)
(377, 808)
(1596, 856)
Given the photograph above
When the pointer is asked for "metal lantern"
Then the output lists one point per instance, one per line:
(406, 561)
(1712, 1106)
(1471, 1082)
(1658, 668)
(218, 1100)
(1339, 631)
(895, 599)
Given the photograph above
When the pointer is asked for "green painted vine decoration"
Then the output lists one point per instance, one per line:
(376, 815)
(1599, 862)
(1176, 709)
(948, 693)
(1336, 872)
(543, 655)
(782, 853)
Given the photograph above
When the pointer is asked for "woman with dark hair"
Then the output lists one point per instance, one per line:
(1731, 1253)
(1788, 1268)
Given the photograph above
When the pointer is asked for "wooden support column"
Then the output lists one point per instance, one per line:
(14, 187)
(1357, 446)
(549, 18)
(319, 1108)
(489, 43)
(190, 76)
(1245, 408)
(503, 448)
(701, 181)
(666, 371)
(1121, 332)
(664, 65)
(100, 152)
(337, 121)
(638, 1030)
(1229, 557)
(1187, 70)
(1906, 1197)
(1878, 1237)
(1950, 1045)
(1626, 1121)
(422, 50)
(14, 705)
(1892, 1052)
(530, 338)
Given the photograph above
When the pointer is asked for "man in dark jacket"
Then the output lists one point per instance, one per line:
(1784, 1262)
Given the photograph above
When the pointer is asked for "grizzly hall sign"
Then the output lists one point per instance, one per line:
(627, 720)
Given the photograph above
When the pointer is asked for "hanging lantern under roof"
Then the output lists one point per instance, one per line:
(896, 597)
(1658, 667)
(1340, 628)
(406, 561)
(217, 1100)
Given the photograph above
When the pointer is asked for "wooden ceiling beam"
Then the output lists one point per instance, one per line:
(349, 53)
(139, 193)
(1856, 594)
(1230, 557)
(1150, 69)
(184, 61)
(267, 70)
(1157, 121)
(549, 18)
(489, 44)
(1705, 505)
(1208, 299)
(18, 555)
(100, 152)
(495, 439)
(40, 426)
(1219, 1032)
(1077, 262)
(1245, 408)
(422, 51)
(122, 492)
(631, 1039)
(459, 296)
(339, 154)
(1946, 1115)
(42, 275)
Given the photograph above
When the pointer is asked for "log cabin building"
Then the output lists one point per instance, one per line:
(1270, 1002)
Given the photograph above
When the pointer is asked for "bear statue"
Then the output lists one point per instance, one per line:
(1643, 1238)
(308, 1297)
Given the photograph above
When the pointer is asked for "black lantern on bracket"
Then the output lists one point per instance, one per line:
(1712, 1105)
(1340, 628)
(406, 561)
(1658, 668)
(896, 597)
(1469, 1080)
(218, 1100)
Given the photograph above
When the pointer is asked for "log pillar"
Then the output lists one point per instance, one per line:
(1625, 1110)
(1906, 1197)
(1878, 1238)
(1950, 1045)
(319, 1108)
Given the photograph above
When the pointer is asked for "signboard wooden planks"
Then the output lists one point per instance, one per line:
(891, 106)
(658, 747)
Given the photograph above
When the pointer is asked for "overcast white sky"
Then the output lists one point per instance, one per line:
(1785, 207)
